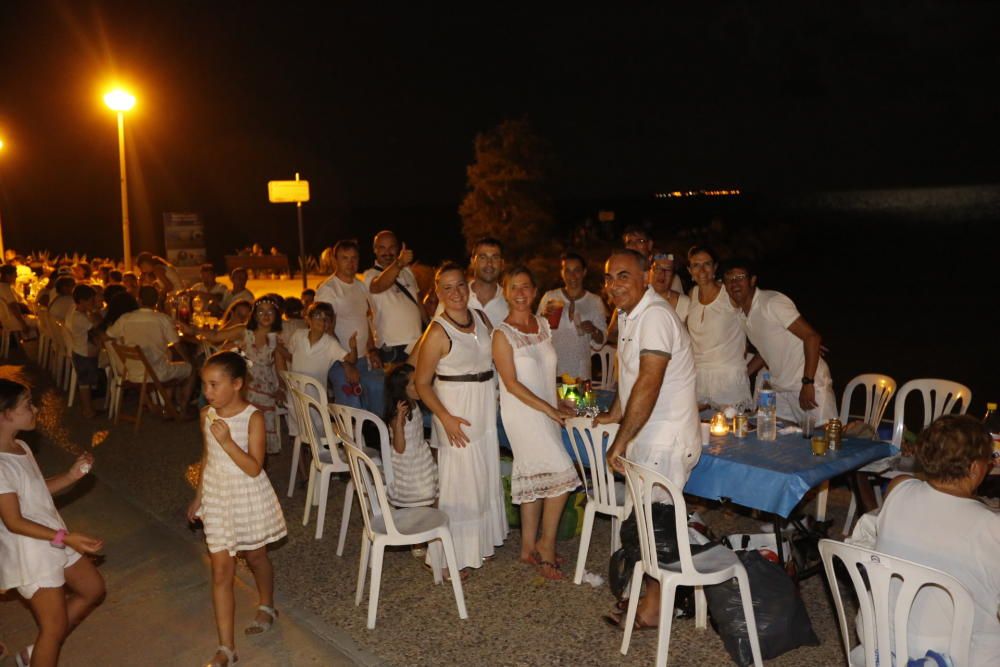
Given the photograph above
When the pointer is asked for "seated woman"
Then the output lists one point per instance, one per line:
(940, 523)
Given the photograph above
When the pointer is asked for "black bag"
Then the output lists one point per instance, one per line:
(665, 533)
(782, 621)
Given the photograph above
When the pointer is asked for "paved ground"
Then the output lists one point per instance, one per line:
(516, 618)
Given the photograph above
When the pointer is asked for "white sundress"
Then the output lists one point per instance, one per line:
(542, 468)
(719, 344)
(414, 475)
(469, 477)
(239, 512)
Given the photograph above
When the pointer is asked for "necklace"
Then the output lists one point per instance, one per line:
(457, 323)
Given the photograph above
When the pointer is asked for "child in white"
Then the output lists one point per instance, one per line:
(414, 474)
(38, 556)
(235, 500)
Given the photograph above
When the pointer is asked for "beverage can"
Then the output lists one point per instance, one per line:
(741, 426)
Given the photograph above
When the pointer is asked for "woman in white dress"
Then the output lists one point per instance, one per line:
(661, 277)
(717, 338)
(543, 473)
(454, 379)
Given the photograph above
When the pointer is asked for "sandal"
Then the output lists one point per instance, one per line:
(20, 660)
(260, 627)
(617, 621)
(231, 657)
(554, 569)
(536, 559)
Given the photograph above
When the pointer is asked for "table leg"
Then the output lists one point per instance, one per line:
(824, 492)
(779, 527)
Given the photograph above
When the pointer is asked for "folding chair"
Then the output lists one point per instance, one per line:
(133, 353)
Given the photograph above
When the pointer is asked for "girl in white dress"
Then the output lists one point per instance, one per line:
(235, 500)
(415, 478)
(454, 379)
(38, 556)
(717, 338)
(543, 473)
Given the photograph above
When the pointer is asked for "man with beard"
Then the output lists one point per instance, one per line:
(395, 299)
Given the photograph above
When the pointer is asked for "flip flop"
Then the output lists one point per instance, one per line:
(553, 567)
(260, 627)
(617, 621)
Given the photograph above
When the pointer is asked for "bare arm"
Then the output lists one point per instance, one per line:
(811, 341)
(226, 335)
(652, 368)
(195, 504)
(503, 359)
(433, 345)
(755, 364)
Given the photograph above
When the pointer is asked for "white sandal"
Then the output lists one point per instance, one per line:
(231, 657)
(19, 660)
(258, 627)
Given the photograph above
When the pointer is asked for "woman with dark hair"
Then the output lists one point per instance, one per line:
(717, 337)
(120, 303)
(454, 379)
(543, 474)
(937, 521)
(258, 341)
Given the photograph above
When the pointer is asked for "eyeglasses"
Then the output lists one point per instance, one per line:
(319, 316)
(663, 256)
(739, 277)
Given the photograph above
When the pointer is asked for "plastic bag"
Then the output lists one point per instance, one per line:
(780, 615)
(623, 561)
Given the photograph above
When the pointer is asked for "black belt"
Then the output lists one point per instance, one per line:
(471, 377)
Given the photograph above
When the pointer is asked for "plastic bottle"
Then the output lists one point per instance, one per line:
(767, 411)
(991, 420)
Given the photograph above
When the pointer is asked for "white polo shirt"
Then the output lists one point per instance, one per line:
(654, 326)
(766, 325)
(496, 308)
(350, 303)
(315, 359)
(396, 316)
(152, 331)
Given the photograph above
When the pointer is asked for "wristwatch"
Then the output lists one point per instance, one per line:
(808, 380)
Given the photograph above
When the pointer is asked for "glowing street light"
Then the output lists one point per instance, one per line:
(2, 253)
(121, 101)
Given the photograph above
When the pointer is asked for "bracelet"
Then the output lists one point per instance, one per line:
(57, 541)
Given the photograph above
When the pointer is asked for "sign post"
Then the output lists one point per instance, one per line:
(286, 192)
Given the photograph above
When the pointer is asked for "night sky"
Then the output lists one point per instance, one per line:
(379, 107)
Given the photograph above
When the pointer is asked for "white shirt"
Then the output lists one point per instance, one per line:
(496, 308)
(315, 359)
(7, 294)
(79, 326)
(771, 313)
(243, 295)
(350, 303)
(218, 289)
(150, 330)
(60, 307)
(572, 348)
(653, 326)
(960, 536)
(173, 277)
(396, 316)
(26, 560)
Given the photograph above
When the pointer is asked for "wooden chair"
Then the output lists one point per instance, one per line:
(133, 353)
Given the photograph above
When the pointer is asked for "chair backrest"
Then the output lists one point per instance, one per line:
(591, 445)
(886, 599)
(7, 320)
(316, 416)
(65, 338)
(307, 384)
(641, 481)
(940, 397)
(114, 361)
(355, 419)
(606, 355)
(878, 390)
(375, 508)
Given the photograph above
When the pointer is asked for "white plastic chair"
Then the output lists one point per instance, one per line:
(297, 381)
(604, 495)
(708, 568)
(878, 390)
(69, 379)
(395, 527)
(354, 419)
(885, 608)
(10, 327)
(606, 356)
(940, 397)
(44, 337)
(116, 380)
(326, 462)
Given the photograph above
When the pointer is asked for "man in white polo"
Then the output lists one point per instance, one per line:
(656, 403)
(785, 342)
(395, 299)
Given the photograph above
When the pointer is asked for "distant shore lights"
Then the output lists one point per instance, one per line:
(697, 193)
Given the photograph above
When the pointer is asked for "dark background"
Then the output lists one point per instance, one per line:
(378, 106)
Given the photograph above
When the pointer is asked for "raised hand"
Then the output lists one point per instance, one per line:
(220, 429)
(405, 257)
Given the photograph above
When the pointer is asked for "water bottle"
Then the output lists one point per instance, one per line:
(767, 411)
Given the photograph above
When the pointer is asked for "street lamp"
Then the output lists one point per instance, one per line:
(121, 101)
(3, 254)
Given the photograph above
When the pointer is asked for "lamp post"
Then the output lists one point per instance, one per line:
(3, 254)
(121, 101)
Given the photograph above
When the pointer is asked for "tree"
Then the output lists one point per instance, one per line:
(507, 196)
